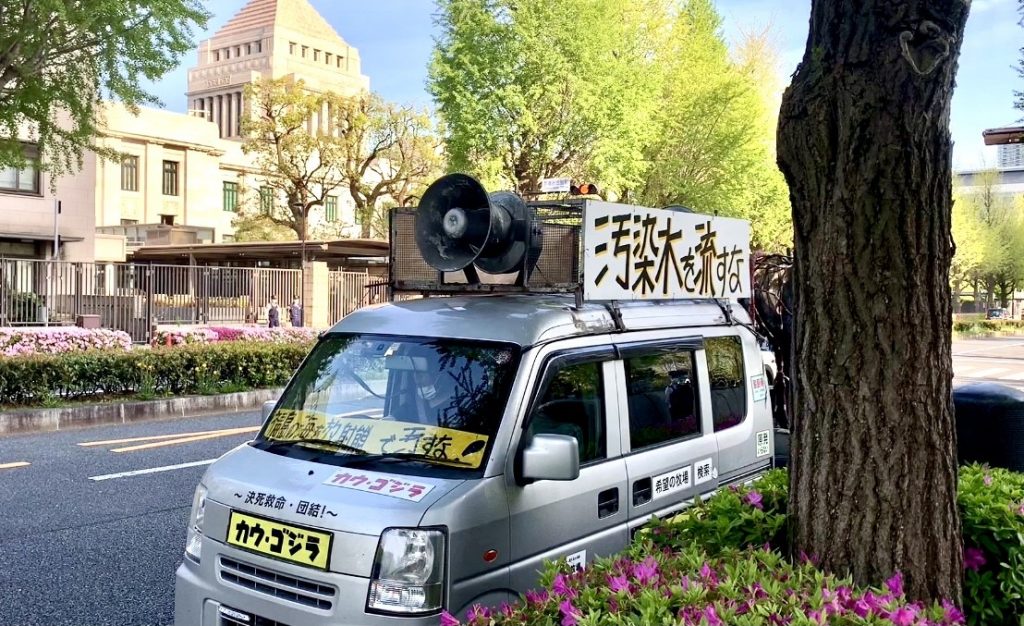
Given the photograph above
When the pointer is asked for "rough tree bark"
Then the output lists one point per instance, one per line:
(864, 143)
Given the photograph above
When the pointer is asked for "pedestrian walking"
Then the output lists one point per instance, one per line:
(295, 313)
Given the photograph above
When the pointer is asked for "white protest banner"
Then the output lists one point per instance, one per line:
(636, 253)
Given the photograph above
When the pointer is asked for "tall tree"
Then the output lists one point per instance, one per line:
(389, 153)
(864, 145)
(528, 89)
(60, 58)
(302, 164)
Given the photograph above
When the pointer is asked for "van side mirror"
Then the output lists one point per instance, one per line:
(551, 457)
(268, 408)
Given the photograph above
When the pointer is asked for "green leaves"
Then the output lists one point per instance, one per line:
(61, 58)
(641, 98)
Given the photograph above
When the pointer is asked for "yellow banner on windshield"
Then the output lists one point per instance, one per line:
(442, 445)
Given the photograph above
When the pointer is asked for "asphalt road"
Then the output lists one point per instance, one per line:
(85, 541)
(996, 359)
(83, 544)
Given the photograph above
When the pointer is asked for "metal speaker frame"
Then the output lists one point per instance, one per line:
(459, 226)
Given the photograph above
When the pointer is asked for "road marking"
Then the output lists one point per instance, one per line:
(174, 442)
(223, 431)
(988, 373)
(4, 466)
(152, 470)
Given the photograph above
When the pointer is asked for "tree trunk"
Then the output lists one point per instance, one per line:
(864, 144)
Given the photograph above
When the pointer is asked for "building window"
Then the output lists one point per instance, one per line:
(266, 199)
(24, 180)
(305, 49)
(316, 54)
(170, 178)
(216, 55)
(125, 222)
(327, 58)
(662, 398)
(331, 208)
(227, 53)
(728, 389)
(259, 46)
(166, 219)
(238, 51)
(130, 174)
(248, 48)
(339, 61)
(230, 196)
(291, 47)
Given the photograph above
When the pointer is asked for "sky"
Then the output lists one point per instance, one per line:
(395, 37)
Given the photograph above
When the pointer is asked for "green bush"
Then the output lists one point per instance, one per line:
(182, 370)
(991, 503)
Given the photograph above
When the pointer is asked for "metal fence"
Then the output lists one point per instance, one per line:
(132, 297)
(352, 290)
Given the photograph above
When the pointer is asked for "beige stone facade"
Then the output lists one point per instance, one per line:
(269, 39)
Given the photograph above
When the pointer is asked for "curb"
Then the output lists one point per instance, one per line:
(49, 420)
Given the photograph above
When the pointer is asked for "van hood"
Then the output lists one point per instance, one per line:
(345, 499)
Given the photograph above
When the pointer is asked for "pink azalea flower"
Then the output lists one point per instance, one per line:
(618, 583)
(987, 480)
(905, 616)
(447, 619)
(646, 571)
(537, 597)
(712, 617)
(569, 613)
(895, 585)
(974, 558)
(562, 588)
(478, 612)
(754, 499)
(951, 614)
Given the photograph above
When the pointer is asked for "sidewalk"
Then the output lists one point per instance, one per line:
(22, 421)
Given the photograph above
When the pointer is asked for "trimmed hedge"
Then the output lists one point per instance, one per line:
(988, 326)
(181, 370)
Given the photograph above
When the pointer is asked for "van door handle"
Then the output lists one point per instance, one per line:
(608, 502)
(642, 491)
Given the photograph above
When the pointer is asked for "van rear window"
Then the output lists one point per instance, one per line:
(662, 398)
(728, 385)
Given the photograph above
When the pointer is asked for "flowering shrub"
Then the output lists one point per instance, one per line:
(210, 334)
(652, 585)
(991, 503)
(188, 369)
(60, 340)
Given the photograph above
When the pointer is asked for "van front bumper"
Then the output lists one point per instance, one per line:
(238, 581)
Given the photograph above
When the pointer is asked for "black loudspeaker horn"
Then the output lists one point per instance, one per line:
(458, 224)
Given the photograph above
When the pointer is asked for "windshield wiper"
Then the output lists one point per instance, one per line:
(339, 446)
(407, 456)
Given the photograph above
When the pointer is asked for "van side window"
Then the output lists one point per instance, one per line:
(728, 388)
(573, 404)
(662, 396)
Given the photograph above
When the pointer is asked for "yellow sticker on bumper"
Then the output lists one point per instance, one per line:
(297, 544)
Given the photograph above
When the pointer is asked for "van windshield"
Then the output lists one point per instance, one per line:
(368, 397)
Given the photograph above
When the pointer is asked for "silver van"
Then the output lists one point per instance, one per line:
(432, 453)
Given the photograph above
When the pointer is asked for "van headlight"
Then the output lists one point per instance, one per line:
(408, 572)
(194, 537)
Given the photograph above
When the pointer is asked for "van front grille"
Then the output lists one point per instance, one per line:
(290, 588)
